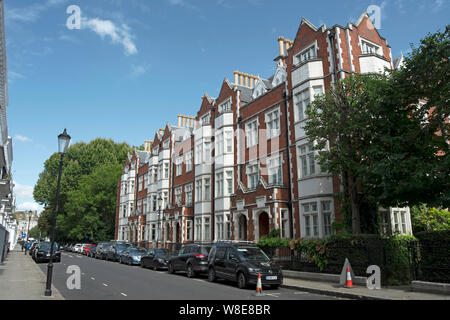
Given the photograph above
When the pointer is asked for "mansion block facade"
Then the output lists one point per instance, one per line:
(243, 165)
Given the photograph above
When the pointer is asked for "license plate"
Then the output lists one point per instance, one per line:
(271, 277)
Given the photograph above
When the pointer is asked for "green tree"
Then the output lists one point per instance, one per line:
(81, 160)
(424, 218)
(379, 143)
(36, 233)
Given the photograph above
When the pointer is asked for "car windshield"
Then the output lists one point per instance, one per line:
(205, 250)
(137, 250)
(162, 252)
(46, 246)
(252, 254)
(122, 246)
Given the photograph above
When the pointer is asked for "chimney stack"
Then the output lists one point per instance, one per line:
(147, 145)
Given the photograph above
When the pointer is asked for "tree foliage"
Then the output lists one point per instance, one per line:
(88, 189)
(379, 141)
(424, 218)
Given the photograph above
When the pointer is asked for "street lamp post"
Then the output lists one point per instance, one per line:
(63, 144)
(159, 214)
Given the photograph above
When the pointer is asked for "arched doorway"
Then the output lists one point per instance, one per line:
(242, 227)
(263, 222)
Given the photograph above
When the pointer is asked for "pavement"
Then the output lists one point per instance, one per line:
(360, 292)
(22, 279)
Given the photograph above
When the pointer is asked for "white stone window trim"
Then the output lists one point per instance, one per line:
(248, 129)
(269, 132)
(297, 56)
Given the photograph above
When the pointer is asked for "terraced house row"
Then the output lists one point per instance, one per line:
(243, 165)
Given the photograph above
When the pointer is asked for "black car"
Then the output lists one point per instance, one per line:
(100, 252)
(155, 258)
(192, 258)
(242, 263)
(114, 251)
(132, 255)
(42, 252)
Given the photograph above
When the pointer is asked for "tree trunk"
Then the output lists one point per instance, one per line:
(354, 204)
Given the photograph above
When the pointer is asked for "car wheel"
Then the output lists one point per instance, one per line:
(129, 262)
(155, 267)
(242, 281)
(170, 269)
(142, 264)
(211, 275)
(190, 271)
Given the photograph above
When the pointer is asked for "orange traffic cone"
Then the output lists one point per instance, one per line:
(259, 285)
(349, 282)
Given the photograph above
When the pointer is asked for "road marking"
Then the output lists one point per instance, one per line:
(92, 278)
(83, 273)
(123, 294)
(105, 284)
(299, 292)
(272, 294)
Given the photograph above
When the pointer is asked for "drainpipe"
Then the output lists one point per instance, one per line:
(333, 53)
(291, 220)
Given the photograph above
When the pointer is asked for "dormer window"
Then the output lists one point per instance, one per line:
(205, 120)
(369, 48)
(225, 107)
(306, 55)
(259, 90)
(155, 151)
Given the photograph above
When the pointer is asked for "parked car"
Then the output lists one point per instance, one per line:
(191, 258)
(132, 255)
(42, 252)
(91, 253)
(114, 251)
(242, 263)
(155, 258)
(87, 248)
(31, 247)
(77, 248)
(100, 252)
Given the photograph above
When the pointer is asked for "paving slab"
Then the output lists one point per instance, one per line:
(22, 279)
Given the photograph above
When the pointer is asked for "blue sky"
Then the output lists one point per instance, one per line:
(136, 64)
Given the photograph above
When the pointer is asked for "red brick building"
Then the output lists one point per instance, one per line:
(243, 165)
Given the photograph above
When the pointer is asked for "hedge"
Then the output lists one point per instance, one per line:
(391, 254)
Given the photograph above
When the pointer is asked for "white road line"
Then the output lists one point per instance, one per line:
(92, 278)
(273, 295)
(83, 273)
(123, 294)
(299, 292)
(105, 284)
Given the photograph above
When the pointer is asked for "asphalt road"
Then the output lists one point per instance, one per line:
(106, 280)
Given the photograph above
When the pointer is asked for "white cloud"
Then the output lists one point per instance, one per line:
(138, 70)
(106, 28)
(184, 4)
(31, 13)
(33, 206)
(22, 191)
(22, 138)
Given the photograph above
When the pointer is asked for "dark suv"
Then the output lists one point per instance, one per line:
(242, 263)
(116, 248)
(100, 252)
(192, 258)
